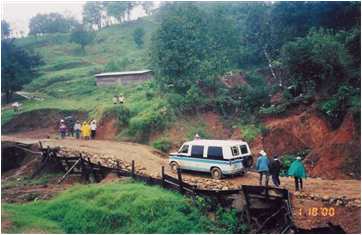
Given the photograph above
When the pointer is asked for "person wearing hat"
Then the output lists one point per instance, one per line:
(77, 127)
(93, 127)
(62, 129)
(121, 99)
(297, 170)
(262, 166)
(274, 170)
(115, 99)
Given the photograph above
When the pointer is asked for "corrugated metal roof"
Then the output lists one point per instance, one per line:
(122, 73)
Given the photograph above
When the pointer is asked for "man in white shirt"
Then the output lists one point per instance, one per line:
(93, 127)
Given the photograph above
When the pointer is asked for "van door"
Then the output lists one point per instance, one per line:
(184, 153)
(197, 154)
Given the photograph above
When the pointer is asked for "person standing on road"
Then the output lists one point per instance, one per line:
(115, 99)
(297, 170)
(62, 129)
(274, 170)
(86, 131)
(262, 166)
(121, 99)
(93, 128)
(77, 127)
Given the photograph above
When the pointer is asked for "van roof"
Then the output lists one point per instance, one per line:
(215, 142)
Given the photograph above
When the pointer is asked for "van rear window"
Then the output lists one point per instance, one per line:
(197, 151)
(234, 150)
(214, 153)
(243, 149)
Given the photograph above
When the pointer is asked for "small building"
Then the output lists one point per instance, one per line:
(123, 78)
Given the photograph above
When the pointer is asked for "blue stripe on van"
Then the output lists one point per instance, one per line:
(223, 162)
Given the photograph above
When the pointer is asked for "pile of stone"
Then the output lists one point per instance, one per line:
(332, 201)
(209, 184)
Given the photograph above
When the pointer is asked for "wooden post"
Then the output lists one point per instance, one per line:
(40, 145)
(133, 169)
(82, 168)
(163, 176)
(179, 176)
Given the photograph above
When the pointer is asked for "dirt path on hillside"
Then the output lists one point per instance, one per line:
(316, 191)
(152, 160)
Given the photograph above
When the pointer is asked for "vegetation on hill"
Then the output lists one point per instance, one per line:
(133, 208)
(190, 46)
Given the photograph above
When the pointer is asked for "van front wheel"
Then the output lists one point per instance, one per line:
(216, 173)
(174, 166)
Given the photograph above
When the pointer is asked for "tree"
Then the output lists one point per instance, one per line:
(17, 68)
(92, 14)
(117, 10)
(138, 36)
(320, 59)
(187, 50)
(147, 7)
(5, 29)
(82, 37)
(51, 23)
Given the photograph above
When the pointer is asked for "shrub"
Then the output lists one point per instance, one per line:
(153, 119)
(122, 113)
(199, 129)
(251, 131)
(162, 144)
(287, 160)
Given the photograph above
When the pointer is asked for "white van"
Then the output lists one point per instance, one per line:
(219, 157)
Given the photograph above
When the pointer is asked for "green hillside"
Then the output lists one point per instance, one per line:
(66, 81)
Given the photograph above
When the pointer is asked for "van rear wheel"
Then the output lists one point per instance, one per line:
(216, 173)
(174, 166)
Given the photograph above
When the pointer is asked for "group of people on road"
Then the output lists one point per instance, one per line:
(267, 167)
(118, 99)
(87, 130)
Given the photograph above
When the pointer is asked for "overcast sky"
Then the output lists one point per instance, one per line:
(18, 13)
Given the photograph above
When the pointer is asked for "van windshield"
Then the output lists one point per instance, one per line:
(184, 149)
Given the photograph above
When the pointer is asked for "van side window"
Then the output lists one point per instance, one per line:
(185, 149)
(243, 149)
(197, 151)
(234, 150)
(214, 153)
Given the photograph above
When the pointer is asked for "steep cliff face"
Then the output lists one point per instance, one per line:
(332, 152)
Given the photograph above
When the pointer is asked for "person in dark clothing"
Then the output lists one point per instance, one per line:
(274, 170)
(69, 122)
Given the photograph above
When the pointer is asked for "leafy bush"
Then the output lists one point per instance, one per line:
(147, 121)
(251, 131)
(138, 36)
(319, 57)
(289, 158)
(121, 112)
(117, 65)
(199, 129)
(162, 144)
(273, 109)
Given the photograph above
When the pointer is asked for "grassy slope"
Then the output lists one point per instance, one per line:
(133, 208)
(66, 81)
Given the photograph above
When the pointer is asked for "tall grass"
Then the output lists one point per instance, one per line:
(126, 207)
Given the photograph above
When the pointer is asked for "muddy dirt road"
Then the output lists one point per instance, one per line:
(151, 161)
(316, 191)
